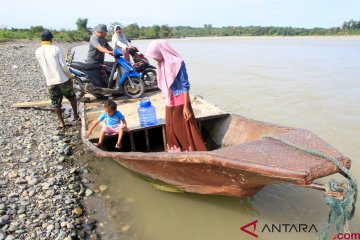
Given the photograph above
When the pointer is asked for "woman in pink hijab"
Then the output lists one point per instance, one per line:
(182, 132)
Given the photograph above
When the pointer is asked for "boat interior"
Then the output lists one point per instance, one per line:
(218, 128)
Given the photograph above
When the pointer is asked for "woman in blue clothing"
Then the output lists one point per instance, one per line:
(182, 132)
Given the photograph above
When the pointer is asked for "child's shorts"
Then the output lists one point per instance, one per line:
(112, 130)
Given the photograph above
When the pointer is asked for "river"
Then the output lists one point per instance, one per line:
(311, 83)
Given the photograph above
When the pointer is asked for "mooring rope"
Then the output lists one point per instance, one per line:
(337, 195)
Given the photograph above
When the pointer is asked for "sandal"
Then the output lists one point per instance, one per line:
(97, 144)
(118, 146)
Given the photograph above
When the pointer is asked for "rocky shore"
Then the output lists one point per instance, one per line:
(41, 187)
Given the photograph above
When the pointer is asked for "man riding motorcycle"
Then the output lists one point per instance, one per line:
(98, 46)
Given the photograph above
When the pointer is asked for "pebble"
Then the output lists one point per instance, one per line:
(88, 192)
(43, 216)
(12, 174)
(20, 181)
(2, 235)
(103, 188)
(34, 172)
(78, 211)
(3, 221)
(10, 237)
(50, 227)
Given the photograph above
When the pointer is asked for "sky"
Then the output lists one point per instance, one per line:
(62, 14)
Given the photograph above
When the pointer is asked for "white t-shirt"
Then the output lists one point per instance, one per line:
(52, 62)
(119, 41)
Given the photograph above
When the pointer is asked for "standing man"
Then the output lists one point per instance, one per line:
(57, 74)
(98, 46)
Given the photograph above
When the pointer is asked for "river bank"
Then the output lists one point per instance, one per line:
(42, 186)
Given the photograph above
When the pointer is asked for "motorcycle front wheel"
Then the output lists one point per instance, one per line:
(134, 90)
(149, 77)
(78, 87)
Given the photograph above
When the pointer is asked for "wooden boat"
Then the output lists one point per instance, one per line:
(241, 159)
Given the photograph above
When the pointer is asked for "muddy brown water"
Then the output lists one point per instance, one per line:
(310, 83)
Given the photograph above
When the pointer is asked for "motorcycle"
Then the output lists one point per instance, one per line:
(142, 66)
(107, 78)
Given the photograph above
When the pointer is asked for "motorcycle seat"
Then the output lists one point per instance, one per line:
(85, 66)
(109, 63)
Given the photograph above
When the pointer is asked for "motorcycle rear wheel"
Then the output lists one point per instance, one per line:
(137, 90)
(149, 77)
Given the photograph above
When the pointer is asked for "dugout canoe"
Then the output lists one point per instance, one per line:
(244, 154)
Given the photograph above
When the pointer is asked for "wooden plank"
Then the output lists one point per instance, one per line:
(147, 140)
(164, 137)
(42, 103)
(133, 148)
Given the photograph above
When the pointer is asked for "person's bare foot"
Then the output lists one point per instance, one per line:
(75, 120)
(61, 125)
(98, 144)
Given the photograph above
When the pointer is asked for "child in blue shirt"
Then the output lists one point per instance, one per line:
(115, 123)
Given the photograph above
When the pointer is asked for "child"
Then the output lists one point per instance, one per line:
(114, 123)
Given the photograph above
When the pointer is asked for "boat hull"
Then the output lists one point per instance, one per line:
(241, 161)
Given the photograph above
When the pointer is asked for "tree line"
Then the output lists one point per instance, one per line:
(134, 31)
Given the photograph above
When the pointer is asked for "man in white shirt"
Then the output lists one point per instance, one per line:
(57, 74)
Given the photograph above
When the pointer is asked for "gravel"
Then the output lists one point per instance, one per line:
(37, 164)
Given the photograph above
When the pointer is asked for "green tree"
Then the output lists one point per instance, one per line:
(81, 24)
(208, 28)
(36, 29)
(164, 31)
(132, 30)
(150, 32)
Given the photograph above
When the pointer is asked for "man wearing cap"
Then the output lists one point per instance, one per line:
(98, 45)
(57, 74)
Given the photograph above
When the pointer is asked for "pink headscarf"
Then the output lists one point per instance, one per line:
(168, 66)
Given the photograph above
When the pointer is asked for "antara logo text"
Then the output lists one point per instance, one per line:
(251, 227)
